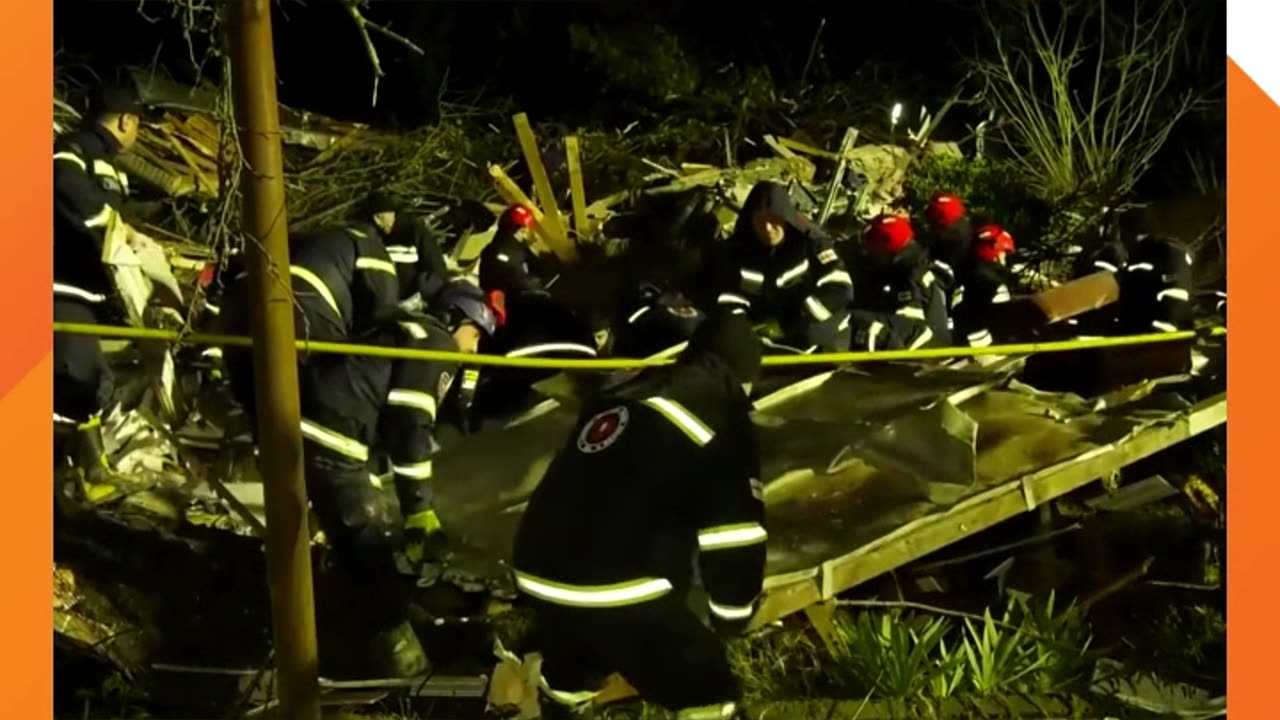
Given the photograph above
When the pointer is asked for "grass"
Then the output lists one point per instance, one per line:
(918, 660)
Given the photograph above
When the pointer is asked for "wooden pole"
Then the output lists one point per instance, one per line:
(275, 362)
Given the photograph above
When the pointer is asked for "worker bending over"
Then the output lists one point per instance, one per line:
(1155, 277)
(531, 322)
(651, 320)
(657, 471)
(906, 307)
(411, 247)
(778, 268)
(982, 283)
(88, 195)
(948, 238)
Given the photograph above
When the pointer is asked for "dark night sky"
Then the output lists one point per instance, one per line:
(499, 46)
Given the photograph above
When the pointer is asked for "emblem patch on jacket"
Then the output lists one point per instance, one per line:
(603, 430)
(826, 257)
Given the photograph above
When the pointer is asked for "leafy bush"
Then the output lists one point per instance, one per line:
(921, 659)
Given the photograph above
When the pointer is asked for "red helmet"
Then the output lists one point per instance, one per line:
(889, 232)
(944, 209)
(517, 216)
(992, 243)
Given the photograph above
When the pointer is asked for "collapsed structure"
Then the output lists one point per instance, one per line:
(867, 468)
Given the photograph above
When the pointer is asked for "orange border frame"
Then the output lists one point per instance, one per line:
(1253, 154)
(26, 384)
(26, 375)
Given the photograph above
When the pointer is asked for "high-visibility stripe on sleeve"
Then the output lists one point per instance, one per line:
(730, 612)
(402, 254)
(101, 218)
(594, 596)
(637, 314)
(373, 263)
(1104, 265)
(415, 330)
(925, 336)
(1142, 266)
(751, 277)
(71, 158)
(75, 292)
(836, 276)
(873, 334)
(316, 284)
(817, 309)
(416, 399)
(540, 348)
(732, 299)
(335, 441)
(724, 537)
(981, 338)
(1002, 295)
(927, 279)
(913, 313)
(680, 416)
(415, 471)
(1163, 326)
(213, 352)
(470, 377)
(792, 273)
(1174, 294)
(722, 711)
(503, 257)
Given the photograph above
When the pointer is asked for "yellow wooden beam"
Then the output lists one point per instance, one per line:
(577, 189)
(513, 195)
(560, 243)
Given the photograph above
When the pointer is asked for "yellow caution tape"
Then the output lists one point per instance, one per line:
(840, 358)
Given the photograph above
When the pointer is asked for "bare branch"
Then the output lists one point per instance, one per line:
(364, 26)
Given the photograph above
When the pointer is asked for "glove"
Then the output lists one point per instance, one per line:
(424, 540)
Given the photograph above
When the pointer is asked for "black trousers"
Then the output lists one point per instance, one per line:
(660, 647)
(82, 381)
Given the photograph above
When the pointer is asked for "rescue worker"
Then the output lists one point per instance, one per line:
(504, 262)
(907, 311)
(651, 321)
(1155, 277)
(983, 281)
(89, 193)
(459, 320)
(948, 238)
(778, 268)
(658, 470)
(531, 323)
(411, 246)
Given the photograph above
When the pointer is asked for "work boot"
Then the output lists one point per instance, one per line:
(97, 478)
(397, 653)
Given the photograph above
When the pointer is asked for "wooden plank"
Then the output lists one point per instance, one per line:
(934, 532)
(577, 189)
(560, 245)
(511, 192)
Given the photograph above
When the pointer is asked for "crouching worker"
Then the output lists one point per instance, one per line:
(416, 390)
(907, 307)
(984, 283)
(778, 268)
(607, 565)
(652, 321)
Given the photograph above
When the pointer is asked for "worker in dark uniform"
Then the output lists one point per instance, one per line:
(906, 307)
(948, 238)
(88, 195)
(983, 281)
(1155, 286)
(651, 321)
(657, 471)
(377, 404)
(344, 284)
(411, 246)
(531, 323)
(778, 268)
